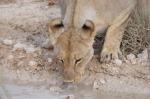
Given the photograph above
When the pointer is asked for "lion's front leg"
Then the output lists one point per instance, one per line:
(111, 47)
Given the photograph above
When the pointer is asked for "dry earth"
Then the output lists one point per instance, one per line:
(27, 71)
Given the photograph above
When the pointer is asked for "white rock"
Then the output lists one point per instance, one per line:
(143, 56)
(30, 49)
(131, 57)
(117, 62)
(115, 70)
(27, 48)
(55, 89)
(49, 60)
(20, 63)
(96, 85)
(68, 97)
(18, 73)
(19, 46)
(10, 57)
(102, 81)
(33, 64)
(7, 42)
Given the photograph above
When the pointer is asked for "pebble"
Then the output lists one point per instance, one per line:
(115, 70)
(7, 42)
(30, 49)
(49, 60)
(33, 64)
(117, 62)
(10, 57)
(18, 46)
(27, 48)
(131, 57)
(55, 89)
(102, 81)
(143, 56)
(96, 85)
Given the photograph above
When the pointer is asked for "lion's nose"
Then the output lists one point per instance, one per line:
(69, 76)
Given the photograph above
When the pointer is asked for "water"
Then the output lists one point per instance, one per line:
(13, 91)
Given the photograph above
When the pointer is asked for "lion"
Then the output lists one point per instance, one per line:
(81, 20)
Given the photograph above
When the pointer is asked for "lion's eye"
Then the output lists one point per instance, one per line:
(78, 61)
(62, 61)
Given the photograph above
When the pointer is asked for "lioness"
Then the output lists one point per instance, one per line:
(73, 34)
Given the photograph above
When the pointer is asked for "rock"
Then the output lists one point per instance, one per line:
(49, 60)
(21, 63)
(10, 57)
(117, 62)
(68, 97)
(96, 85)
(55, 89)
(131, 57)
(114, 70)
(143, 56)
(102, 81)
(30, 49)
(33, 64)
(18, 46)
(7, 42)
(27, 48)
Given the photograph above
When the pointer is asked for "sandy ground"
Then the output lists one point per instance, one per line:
(27, 72)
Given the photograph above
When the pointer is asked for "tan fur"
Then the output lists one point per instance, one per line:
(73, 34)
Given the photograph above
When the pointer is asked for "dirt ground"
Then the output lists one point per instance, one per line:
(27, 70)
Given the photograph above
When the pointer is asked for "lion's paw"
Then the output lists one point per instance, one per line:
(107, 56)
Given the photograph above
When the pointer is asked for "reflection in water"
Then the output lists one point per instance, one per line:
(79, 91)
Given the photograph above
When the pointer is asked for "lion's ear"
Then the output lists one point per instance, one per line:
(56, 27)
(88, 29)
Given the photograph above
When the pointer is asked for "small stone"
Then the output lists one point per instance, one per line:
(49, 60)
(96, 85)
(143, 56)
(27, 48)
(18, 73)
(55, 89)
(18, 46)
(102, 81)
(20, 63)
(121, 82)
(8, 42)
(117, 62)
(115, 70)
(30, 49)
(68, 97)
(33, 64)
(10, 57)
(21, 56)
(131, 58)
